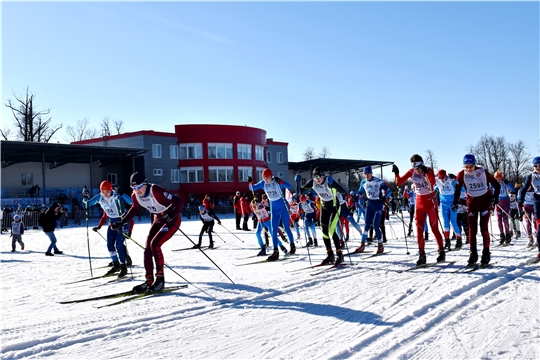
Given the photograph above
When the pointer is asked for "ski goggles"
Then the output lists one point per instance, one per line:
(137, 187)
(318, 176)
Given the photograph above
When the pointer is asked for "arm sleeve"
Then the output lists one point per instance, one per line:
(400, 180)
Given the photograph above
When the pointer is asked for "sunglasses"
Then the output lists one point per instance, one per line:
(536, 165)
(137, 187)
(318, 176)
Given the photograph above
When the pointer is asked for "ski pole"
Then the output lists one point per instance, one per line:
(164, 263)
(231, 233)
(212, 261)
(88, 239)
(403, 222)
(305, 238)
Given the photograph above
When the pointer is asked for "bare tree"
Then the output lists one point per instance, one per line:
(81, 131)
(430, 159)
(519, 158)
(325, 153)
(29, 122)
(108, 125)
(494, 153)
(308, 154)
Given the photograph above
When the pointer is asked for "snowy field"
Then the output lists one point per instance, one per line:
(368, 310)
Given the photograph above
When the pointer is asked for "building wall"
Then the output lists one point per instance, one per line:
(279, 167)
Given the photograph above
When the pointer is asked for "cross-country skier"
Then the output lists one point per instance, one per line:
(208, 225)
(533, 181)
(310, 214)
(113, 206)
(446, 188)
(326, 188)
(502, 209)
(273, 187)
(166, 208)
(426, 204)
(371, 188)
(480, 201)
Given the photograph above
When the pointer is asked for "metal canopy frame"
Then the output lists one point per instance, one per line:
(333, 166)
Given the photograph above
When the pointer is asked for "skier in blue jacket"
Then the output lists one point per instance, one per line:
(273, 187)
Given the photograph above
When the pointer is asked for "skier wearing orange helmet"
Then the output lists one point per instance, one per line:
(113, 206)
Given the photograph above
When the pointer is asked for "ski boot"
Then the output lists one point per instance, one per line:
(422, 258)
(123, 271)
(315, 243)
(380, 248)
(196, 246)
(485, 257)
(284, 249)
(142, 288)
(502, 240)
(360, 249)
(442, 256)
(48, 253)
(158, 285)
(329, 258)
(262, 252)
(508, 239)
(310, 242)
(339, 258)
(114, 269)
(274, 256)
(293, 249)
(458, 243)
(58, 252)
(211, 246)
(426, 236)
(447, 244)
(473, 258)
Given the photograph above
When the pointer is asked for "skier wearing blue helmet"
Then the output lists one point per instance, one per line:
(480, 201)
(533, 181)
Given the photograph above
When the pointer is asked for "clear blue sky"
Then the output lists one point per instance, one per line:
(368, 80)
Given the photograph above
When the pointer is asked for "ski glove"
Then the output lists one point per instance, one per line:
(395, 169)
(96, 228)
(495, 201)
(454, 207)
(117, 225)
(249, 179)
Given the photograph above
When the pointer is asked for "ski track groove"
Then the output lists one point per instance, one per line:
(439, 317)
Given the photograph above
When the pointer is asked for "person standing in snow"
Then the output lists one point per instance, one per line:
(237, 209)
(166, 208)
(480, 202)
(532, 181)
(246, 211)
(47, 220)
(372, 188)
(327, 188)
(310, 213)
(426, 204)
(446, 188)
(113, 206)
(17, 231)
(273, 187)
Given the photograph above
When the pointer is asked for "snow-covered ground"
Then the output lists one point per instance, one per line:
(368, 310)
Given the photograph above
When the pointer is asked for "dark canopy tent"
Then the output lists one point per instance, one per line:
(333, 166)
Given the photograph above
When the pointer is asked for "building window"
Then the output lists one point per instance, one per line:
(220, 174)
(220, 151)
(191, 175)
(244, 151)
(175, 176)
(190, 151)
(27, 179)
(268, 157)
(279, 157)
(280, 175)
(259, 173)
(156, 151)
(259, 153)
(112, 178)
(158, 172)
(174, 151)
(244, 172)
